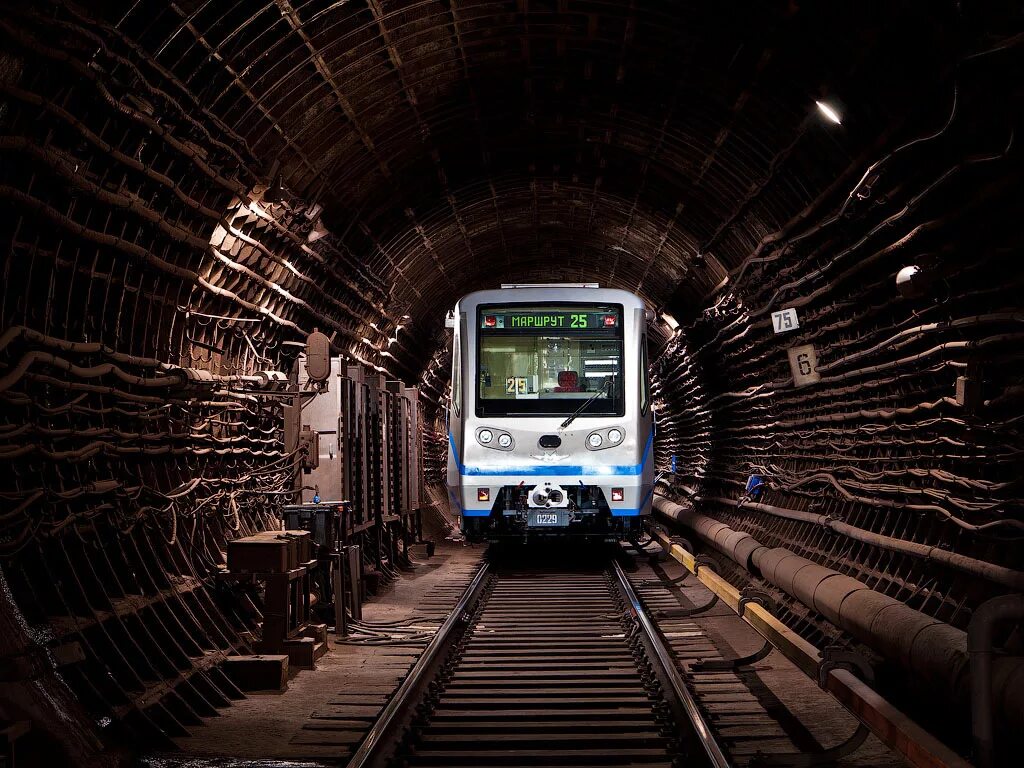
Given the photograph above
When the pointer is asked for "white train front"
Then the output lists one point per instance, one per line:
(550, 425)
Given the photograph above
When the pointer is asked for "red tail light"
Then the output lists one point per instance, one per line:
(609, 320)
(617, 494)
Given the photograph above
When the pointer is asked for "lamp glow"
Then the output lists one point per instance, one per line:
(829, 112)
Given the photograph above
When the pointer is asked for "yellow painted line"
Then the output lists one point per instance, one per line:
(794, 647)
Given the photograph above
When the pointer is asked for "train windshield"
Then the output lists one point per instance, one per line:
(550, 360)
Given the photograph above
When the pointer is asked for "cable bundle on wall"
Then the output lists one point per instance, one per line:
(891, 451)
(151, 293)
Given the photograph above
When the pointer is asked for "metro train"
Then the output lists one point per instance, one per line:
(551, 426)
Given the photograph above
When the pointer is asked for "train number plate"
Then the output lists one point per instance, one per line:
(546, 518)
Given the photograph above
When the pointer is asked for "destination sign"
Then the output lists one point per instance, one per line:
(505, 320)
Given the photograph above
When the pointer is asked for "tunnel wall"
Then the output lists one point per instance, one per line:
(147, 284)
(652, 147)
(900, 465)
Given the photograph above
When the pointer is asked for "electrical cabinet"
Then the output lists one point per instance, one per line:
(365, 432)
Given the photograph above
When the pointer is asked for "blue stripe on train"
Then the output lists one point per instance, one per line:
(487, 512)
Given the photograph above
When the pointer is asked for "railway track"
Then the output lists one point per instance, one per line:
(543, 668)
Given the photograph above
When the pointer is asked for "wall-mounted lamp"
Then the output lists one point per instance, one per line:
(829, 112)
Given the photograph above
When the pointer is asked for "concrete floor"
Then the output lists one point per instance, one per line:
(323, 713)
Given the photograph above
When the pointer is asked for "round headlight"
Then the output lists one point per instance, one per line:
(484, 436)
(595, 440)
(614, 436)
(504, 440)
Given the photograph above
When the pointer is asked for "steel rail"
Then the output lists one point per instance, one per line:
(399, 709)
(659, 652)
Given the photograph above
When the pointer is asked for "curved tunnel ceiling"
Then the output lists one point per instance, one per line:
(456, 145)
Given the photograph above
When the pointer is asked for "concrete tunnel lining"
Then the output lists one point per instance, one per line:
(191, 188)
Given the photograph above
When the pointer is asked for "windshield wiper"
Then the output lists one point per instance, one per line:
(583, 407)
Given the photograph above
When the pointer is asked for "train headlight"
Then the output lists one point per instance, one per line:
(595, 440)
(504, 440)
(484, 436)
(614, 436)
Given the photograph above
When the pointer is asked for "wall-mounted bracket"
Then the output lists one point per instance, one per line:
(759, 596)
(837, 657)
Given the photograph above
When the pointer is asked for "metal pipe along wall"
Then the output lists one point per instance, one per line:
(935, 652)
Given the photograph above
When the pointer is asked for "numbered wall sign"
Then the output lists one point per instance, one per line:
(785, 320)
(803, 362)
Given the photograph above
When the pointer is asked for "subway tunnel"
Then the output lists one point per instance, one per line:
(192, 188)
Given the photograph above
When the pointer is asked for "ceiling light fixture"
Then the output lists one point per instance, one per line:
(829, 112)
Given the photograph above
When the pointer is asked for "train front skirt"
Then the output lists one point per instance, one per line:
(554, 507)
